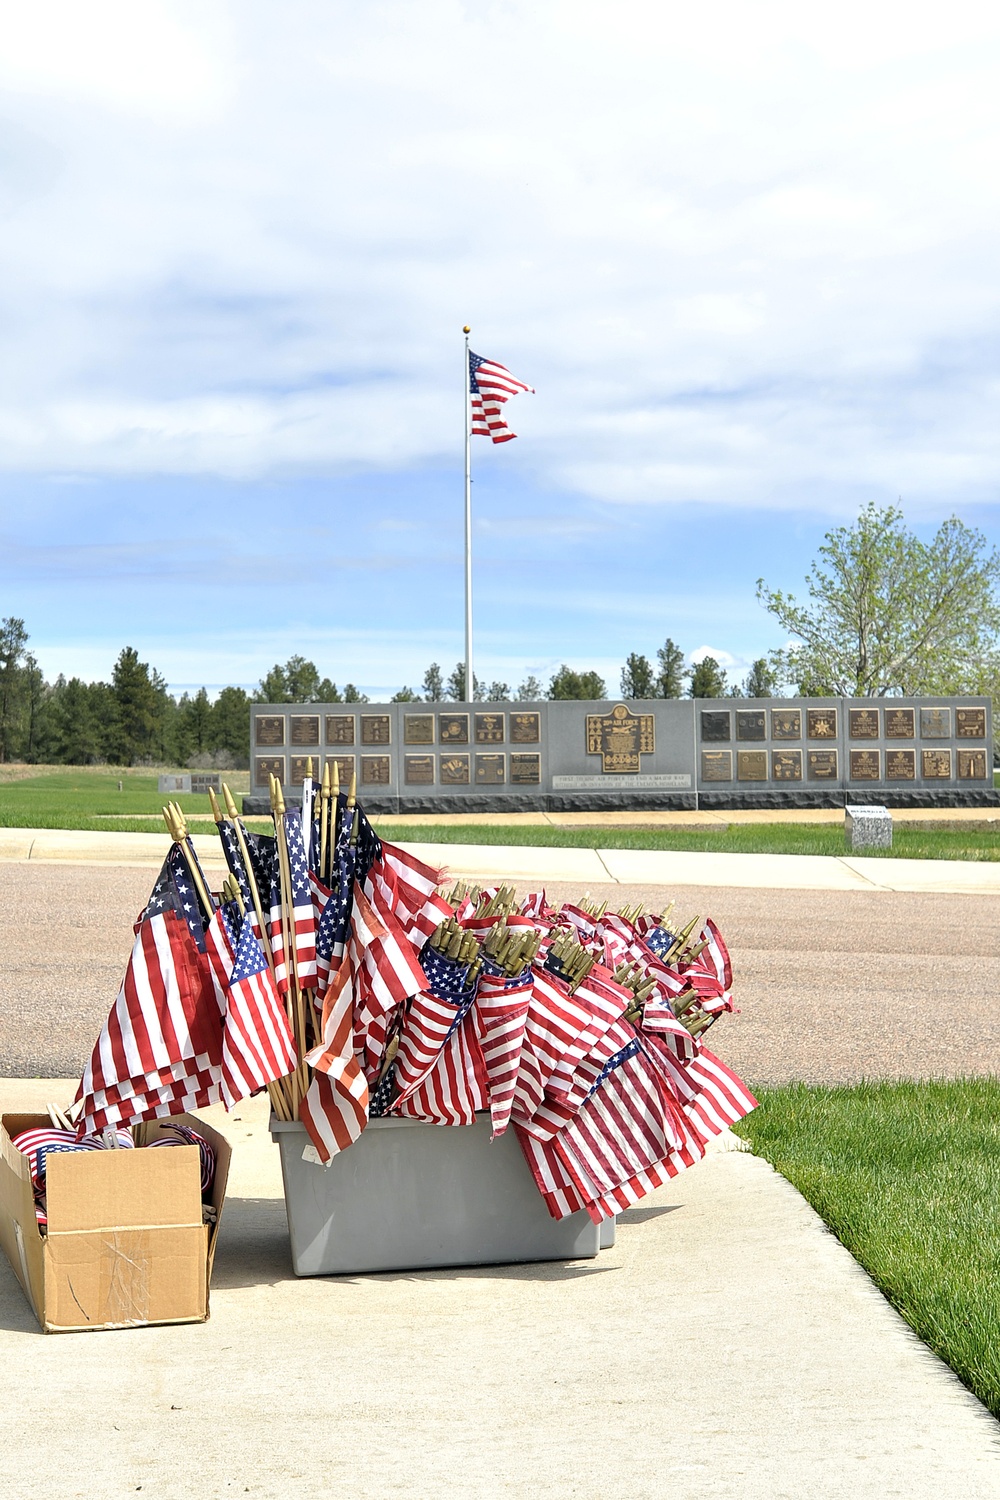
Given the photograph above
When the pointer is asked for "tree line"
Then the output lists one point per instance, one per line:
(886, 614)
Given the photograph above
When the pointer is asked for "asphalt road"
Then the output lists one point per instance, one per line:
(832, 986)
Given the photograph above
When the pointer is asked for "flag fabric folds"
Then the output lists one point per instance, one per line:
(491, 386)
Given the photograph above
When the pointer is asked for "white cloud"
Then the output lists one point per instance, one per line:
(746, 255)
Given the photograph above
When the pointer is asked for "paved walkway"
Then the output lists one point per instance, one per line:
(727, 1346)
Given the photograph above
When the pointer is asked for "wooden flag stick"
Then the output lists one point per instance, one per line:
(324, 815)
(248, 867)
(177, 829)
(296, 1008)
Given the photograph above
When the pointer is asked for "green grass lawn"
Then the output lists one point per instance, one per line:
(88, 798)
(907, 1175)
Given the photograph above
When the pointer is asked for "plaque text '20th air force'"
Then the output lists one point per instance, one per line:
(620, 738)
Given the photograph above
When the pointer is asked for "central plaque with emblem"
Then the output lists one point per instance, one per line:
(491, 770)
(453, 729)
(525, 769)
(345, 768)
(454, 770)
(418, 770)
(865, 765)
(821, 765)
(375, 729)
(489, 729)
(714, 725)
(304, 729)
(751, 724)
(935, 724)
(375, 770)
(340, 729)
(525, 728)
(899, 724)
(935, 765)
(270, 729)
(751, 765)
(786, 723)
(821, 723)
(900, 765)
(786, 765)
(716, 765)
(418, 729)
(300, 768)
(268, 766)
(970, 723)
(863, 723)
(620, 738)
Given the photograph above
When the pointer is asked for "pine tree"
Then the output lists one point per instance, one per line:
(670, 678)
(638, 680)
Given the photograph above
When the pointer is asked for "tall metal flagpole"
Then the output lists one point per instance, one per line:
(470, 681)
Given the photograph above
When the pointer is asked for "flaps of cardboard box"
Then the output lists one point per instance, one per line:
(125, 1244)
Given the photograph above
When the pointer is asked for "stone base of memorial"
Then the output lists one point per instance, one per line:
(411, 1196)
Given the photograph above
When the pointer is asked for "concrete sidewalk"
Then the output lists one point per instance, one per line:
(587, 867)
(727, 1346)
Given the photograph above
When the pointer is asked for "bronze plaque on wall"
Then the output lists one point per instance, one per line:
(491, 770)
(268, 766)
(303, 729)
(786, 723)
(821, 723)
(899, 724)
(270, 729)
(374, 770)
(900, 765)
(525, 770)
(935, 723)
(525, 728)
(455, 770)
(345, 769)
(821, 765)
(716, 765)
(375, 729)
(751, 765)
(751, 724)
(714, 725)
(453, 729)
(418, 770)
(865, 765)
(935, 765)
(340, 729)
(489, 729)
(970, 723)
(972, 765)
(620, 738)
(418, 729)
(299, 769)
(863, 723)
(786, 765)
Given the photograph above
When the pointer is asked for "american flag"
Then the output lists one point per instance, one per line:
(491, 385)
(257, 1043)
(303, 941)
(500, 1016)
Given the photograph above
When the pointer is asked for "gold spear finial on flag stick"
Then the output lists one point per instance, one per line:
(214, 804)
(177, 829)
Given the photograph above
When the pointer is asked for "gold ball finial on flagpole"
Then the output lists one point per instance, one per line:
(466, 328)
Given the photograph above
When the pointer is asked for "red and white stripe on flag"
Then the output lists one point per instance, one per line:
(335, 1108)
(491, 385)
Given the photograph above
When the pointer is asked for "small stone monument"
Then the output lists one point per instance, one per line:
(867, 828)
(174, 784)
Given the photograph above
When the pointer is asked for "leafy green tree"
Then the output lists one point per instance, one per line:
(13, 640)
(34, 693)
(298, 681)
(456, 685)
(231, 724)
(707, 680)
(351, 695)
(569, 684)
(405, 695)
(889, 613)
(531, 690)
(638, 680)
(761, 681)
(433, 685)
(194, 729)
(139, 697)
(498, 692)
(670, 678)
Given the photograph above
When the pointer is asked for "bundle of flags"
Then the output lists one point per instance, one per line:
(330, 970)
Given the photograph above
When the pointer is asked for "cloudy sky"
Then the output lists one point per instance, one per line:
(747, 255)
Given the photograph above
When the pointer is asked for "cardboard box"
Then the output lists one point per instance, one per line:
(125, 1244)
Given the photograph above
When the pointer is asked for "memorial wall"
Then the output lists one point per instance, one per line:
(657, 753)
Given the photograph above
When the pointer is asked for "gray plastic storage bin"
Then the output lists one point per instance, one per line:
(410, 1196)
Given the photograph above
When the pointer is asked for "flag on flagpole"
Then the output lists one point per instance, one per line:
(490, 386)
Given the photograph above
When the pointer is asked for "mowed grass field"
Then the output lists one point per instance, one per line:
(907, 1175)
(89, 798)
